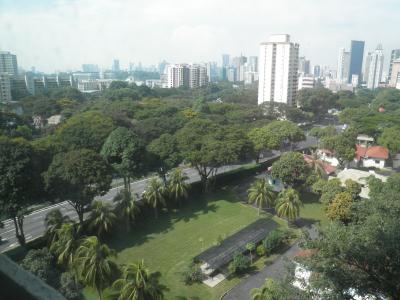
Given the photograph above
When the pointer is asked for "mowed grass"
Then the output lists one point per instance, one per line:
(313, 211)
(169, 243)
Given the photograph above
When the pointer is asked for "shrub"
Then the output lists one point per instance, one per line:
(192, 274)
(240, 264)
(260, 250)
(274, 240)
(69, 287)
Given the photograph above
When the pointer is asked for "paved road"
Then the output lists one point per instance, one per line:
(34, 222)
(276, 270)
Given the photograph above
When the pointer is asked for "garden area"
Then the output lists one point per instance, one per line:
(169, 243)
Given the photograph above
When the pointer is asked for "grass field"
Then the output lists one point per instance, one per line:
(313, 211)
(169, 243)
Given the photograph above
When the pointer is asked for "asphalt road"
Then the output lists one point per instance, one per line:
(34, 223)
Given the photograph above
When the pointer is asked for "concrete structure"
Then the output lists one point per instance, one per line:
(5, 87)
(306, 82)
(115, 65)
(8, 63)
(395, 55)
(183, 75)
(328, 156)
(374, 67)
(360, 177)
(356, 59)
(371, 157)
(304, 66)
(252, 65)
(54, 120)
(225, 60)
(278, 67)
(343, 66)
(365, 140)
(317, 71)
(197, 76)
(395, 73)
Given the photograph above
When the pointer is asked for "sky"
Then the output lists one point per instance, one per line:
(60, 35)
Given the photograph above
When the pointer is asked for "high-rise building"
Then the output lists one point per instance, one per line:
(317, 71)
(356, 60)
(253, 64)
(393, 80)
(304, 66)
(8, 63)
(343, 66)
(278, 67)
(212, 73)
(239, 64)
(374, 67)
(306, 82)
(90, 68)
(225, 60)
(5, 87)
(183, 75)
(115, 65)
(161, 66)
(394, 56)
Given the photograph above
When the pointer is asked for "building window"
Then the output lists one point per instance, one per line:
(377, 161)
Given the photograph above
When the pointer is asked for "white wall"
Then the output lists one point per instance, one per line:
(370, 163)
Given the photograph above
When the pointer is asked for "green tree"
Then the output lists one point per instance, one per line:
(177, 186)
(240, 264)
(390, 139)
(317, 101)
(261, 193)
(286, 131)
(53, 222)
(165, 151)
(69, 287)
(137, 283)
(86, 130)
(126, 207)
(65, 242)
(353, 188)
(94, 264)
(291, 168)
(365, 252)
(125, 152)
(263, 139)
(343, 145)
(18, 171)
(340, 208)
(328, 189)
(322, 132)
(288, 205)
(277, 290)
(251, 247)
(101, 218)
(155, 195)
(77, 177)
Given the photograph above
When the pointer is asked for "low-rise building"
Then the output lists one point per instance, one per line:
(54, 120)
(365, 140)
(372, 157)
(328, 156)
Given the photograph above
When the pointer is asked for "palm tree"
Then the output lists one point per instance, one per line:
(53, 221)
(102, 218)
(155, 195)
(65, 242)
(266, 291)
(93, 264)
(177, 186)
(250, 247)
(288, 205)
(317, 165)
(260, 193)
(137, 283)
(126, 207)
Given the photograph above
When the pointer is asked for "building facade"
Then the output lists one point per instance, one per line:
(356, 60)
(278, 67)
(184, 75)
(343, 66)
(374, 67)
(395, 55)
(5, 87)
(395, 74)
(8, 63)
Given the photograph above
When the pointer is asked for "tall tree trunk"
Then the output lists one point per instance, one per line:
(100, 294)
(19, 229)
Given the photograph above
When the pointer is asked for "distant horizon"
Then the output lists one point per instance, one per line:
(61, 35)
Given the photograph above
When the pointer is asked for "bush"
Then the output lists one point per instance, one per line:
(69, 287)
(274, 240)
(240, 264)
(192, 274)
(260, 250)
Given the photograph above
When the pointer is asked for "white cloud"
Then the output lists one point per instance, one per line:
(66, 34)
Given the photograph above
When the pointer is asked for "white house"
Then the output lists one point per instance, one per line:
(365, 140)
(328, 156)
(372, 157)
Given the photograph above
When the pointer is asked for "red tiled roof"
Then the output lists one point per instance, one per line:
(372, 152)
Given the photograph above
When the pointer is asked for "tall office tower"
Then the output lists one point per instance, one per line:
(356, 60)
(278, 67)
(5, 87)
(394, 77)
(343, 66)
(161, 66)
(253, 64)
(211, 71)
(225, 60)
(394, 56)
(239, 64)
(304, 66)
(317, 71)
(90, 68)
(115, 65)
(374, 67)
(8, 63)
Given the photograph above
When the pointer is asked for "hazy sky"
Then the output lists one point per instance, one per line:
(62, 34)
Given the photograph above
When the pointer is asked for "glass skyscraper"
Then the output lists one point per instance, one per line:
(356, 59)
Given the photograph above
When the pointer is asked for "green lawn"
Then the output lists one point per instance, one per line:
(168, 244)
(313, 211)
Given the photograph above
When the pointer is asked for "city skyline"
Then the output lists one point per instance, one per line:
(63, 35)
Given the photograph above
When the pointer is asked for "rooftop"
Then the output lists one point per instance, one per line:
(378, 152)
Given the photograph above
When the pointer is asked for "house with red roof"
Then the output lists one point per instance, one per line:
(372, 156)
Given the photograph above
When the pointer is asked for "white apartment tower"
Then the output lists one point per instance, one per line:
(343, 66)
(374, 68)
(183, 75)
(8, 63)
(278, 66)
